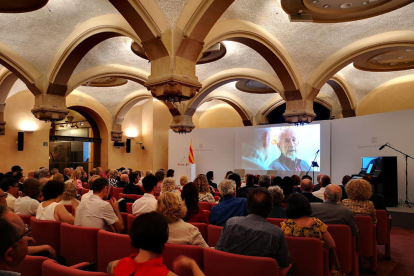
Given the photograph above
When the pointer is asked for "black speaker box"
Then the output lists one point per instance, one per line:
(20, 141)
(128, 145)
(119, 144)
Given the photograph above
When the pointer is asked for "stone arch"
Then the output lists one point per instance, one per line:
(345, 95)
(260, 40)
(79, 43)
(348, 54)
(215, 81)
(108, 70)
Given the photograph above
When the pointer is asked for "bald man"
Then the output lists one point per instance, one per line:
(331, 212)
(306, 186)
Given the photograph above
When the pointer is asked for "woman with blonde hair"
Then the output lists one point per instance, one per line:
(359, 192)
(174, 210)
(168, 185)
(112, 175)
(204, 189)
(70, 193)
(76, 177)
(183, 180)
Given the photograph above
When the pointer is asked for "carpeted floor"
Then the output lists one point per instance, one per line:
(402, 255)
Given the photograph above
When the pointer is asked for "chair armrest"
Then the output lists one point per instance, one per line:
(80, 265)
(288, 271)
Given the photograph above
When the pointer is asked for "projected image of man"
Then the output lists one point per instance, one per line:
(288, 145)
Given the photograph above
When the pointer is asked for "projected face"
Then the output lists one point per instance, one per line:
(288, 144)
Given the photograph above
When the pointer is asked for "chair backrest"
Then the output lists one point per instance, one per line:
(216, 198)
(217, 194)
(275, 221)
(25, 218)
(79, 190)
(284, 205)
(130, 220)
(78, 244)
(125, 221)
(342, 236)
(383, 227)
(52, 268)
(113, 247)
(86, 185)
(219, 263)
(131, 196)
(205, 205)
(172, 251)
(202, 227)
(366, 236)
(68, 208)
(307, 254)
(129, 208)
(213, 234)
(207, 213)
(84, 191)
(31, 265)
(46, 232)
(116, 192)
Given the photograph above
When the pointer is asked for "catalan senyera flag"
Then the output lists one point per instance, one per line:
(190, 154)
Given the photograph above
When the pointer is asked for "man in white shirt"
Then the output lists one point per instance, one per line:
(10, 186)
(148, 202)
(27, 204)
(88, 194)
(96, 212)
(325, 181)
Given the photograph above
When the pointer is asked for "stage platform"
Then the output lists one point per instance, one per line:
(402, 217)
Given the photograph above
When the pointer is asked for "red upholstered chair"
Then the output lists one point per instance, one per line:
(205, 205)
(142, 188)
(275, 221)
(129, 208)
(172, 251)
(217, 194)
(213, 234)
(284, 205)
(342, 236)
(84, 191)
(367, 240)
(301, 249)
(26, 219)
(79, 191)
(116, 192)
(130, 220)
(134, 197)
(125, 221)
(68, 208)
(52, 268)
(207, 213)
(202, 227)
(384, 229)
(157, 194)
(46, 232)
(219, 263)
(78, 244)
(31, 265)
(112, 247)
(86, 185)
(216, 198)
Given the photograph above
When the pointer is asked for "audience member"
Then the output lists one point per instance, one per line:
(160, 175)
(203, 189)
(43, 172)
(210, 178)
(76, 177)
(256, 180)
(318, 179)
(50, 208)
(331, 212)
(66, 174)
(306, 186)
(170, 173)
(287, 187)
(3, 197)
(112, 175)
(325, 181)
(231, 206)
(58, 177)
(28, 203)
(11, 187)
(227, 174)
(236, 178)
(249, 180)
(264, 181)
(123, 180)
(149, 233)
(173, 208)
(296, 180)
(53, 172)
(359, 191)
(345, 181)
(253, 235)
(277, 181)
(299, 222)
(16, 168)
(132, 187)
(378, 200)
(70, 193)
(30, 174)
(20, 178)
(183, 180)
(43, 181)
(190, 197)
(90, 192)
(278, 211)
(306, 176)
(96, 212)
(84, 178)
(147, 203)
(168, 185)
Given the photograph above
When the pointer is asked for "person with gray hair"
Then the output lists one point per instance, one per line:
(231, 206)
(330, 212)
(264, 181)
(278, 211)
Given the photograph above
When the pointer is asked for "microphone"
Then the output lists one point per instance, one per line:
(182, 159)
(383, 146)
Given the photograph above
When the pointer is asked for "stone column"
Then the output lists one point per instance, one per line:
(49, 107)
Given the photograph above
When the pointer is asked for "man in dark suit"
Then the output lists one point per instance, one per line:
(307, 187)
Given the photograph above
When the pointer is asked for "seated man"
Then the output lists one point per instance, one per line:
(148, 202)
(132, 186)
(306, 186)
(27, 204)
(253, 235)
(329, 212)
(96, 212)
(325, 181)
(11, 187)
(88, 194)
(230, 206)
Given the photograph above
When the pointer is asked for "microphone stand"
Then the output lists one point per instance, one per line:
(406, 156)
(313, 169)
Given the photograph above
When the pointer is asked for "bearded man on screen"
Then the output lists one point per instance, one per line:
(288, 145)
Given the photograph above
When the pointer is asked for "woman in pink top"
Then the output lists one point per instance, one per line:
(76, 177)
(149, 233)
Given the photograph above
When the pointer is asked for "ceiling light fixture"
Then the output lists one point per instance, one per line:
(393, 63)
(365, 3)
(346, 6)
(402, 57)
(315, 1)
(326, 6)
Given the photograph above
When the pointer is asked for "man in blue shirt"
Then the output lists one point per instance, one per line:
(231, 206)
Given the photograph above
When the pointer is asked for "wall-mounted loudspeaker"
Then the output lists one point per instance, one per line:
(119, 144)
(128, 145)
(20, 141)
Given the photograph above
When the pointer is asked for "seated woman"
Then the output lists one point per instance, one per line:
(203, 189)
(278, 211)
(359, 191)
(168, 185)
(149, 233)
(190, 197)
(70, 193)
(76, 177)
(50, 209)
(173, 208)
(183, 180)
(112, 175)
(300, 224)
(287, 187)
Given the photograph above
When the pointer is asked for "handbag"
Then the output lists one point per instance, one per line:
(336, 266)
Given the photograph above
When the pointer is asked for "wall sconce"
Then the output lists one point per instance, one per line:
(28, 126)
(131, 132)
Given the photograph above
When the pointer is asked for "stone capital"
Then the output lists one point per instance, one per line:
(116, 133)
(173, 88)
(299, 112)
(182, 124)
(50, 107)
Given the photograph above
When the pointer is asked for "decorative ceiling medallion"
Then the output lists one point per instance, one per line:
(214, 53)
(106, 82)
(20, 6)
(332, 11)
(252, 86)
(390, 59)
